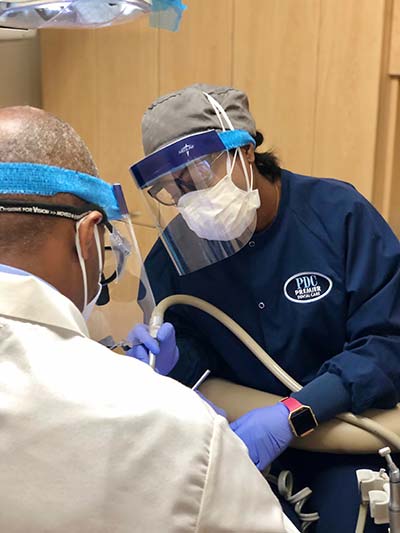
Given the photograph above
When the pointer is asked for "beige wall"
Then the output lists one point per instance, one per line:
(20, 73)
(322, 76)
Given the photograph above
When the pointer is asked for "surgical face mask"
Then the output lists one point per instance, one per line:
(89, 306)
(222, 212)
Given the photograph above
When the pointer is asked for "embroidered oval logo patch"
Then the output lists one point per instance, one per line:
(307, 287)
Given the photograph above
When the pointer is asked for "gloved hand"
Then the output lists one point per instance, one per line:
(217, 409)
(266, 433)
(164, 348)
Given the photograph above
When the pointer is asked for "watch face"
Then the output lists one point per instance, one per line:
(303, 421)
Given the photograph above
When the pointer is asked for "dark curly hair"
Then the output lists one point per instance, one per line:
(267, 163)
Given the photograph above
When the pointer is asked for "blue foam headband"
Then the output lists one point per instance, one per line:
(29, 178)
(236, 138)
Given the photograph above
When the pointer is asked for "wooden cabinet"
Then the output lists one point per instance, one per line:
(322, 77)
(20, 72)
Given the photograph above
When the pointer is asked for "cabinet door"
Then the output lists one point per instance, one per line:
(275, 61)
(347, 98)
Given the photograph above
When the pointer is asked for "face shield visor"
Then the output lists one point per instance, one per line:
(125, 286)
(200, 192)
(35, 14)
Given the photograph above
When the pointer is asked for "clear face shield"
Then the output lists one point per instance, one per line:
(126, 298)
(200, 192)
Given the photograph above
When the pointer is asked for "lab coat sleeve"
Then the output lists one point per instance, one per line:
(369, 365)
(236, 497)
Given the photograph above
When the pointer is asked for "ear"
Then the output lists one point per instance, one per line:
(249, 151)
(86, 233)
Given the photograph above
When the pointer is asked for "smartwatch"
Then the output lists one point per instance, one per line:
(302, 420)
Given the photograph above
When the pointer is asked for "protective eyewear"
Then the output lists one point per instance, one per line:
(199, 174)
(192, 164)
(117, 247)
(117, 251)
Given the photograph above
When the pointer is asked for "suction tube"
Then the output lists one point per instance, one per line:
(387, 436)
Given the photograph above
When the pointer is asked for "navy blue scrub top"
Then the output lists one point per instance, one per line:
(319, 290)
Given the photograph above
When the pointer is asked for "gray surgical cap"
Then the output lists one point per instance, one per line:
(188, 111)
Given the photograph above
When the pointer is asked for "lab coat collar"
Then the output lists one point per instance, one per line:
(31, 299)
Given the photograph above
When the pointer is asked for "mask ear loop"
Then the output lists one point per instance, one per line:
(220, 111)
(234, 161)
(251, 177)
(82, 261)
(98, 246)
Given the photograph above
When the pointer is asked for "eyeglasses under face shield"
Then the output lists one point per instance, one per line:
(117, 251)
(168, 176)
(117, 247)
(123, 263)
(199, 174)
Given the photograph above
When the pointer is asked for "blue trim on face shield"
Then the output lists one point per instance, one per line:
(181, 152)
(32, 179)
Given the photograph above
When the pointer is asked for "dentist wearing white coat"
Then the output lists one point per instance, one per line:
(91, 442)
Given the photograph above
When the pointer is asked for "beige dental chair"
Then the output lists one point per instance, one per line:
(331, 437)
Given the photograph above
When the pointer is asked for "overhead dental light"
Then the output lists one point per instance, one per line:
(35, 14)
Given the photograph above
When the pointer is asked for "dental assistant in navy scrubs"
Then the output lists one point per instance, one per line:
(315, 281)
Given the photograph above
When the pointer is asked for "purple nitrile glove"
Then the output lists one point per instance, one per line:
(266, 433)
(164, 348)
(217, 409)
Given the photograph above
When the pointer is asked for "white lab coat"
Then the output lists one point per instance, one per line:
(95, 442)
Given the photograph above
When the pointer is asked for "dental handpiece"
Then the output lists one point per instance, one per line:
(154, 325)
